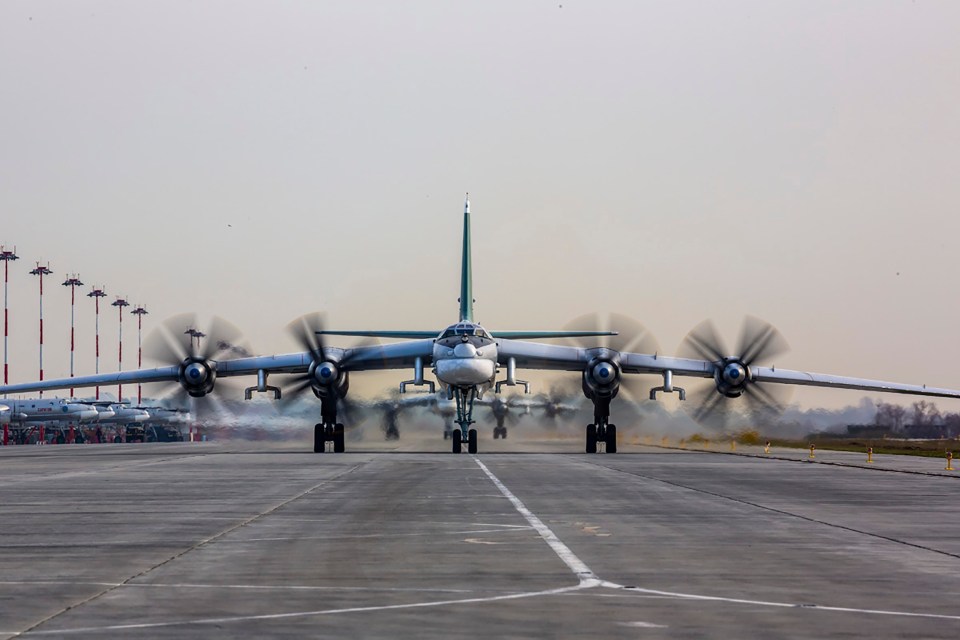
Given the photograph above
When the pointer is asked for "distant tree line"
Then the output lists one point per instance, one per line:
(922, 420)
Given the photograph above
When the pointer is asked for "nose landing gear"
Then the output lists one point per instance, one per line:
(465, 397)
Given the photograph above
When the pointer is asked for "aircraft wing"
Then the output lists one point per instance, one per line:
(391, 356)
(532, 355)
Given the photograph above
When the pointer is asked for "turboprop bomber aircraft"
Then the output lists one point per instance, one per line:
(466, 359)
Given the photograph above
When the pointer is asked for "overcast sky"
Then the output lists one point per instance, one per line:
(672, 161)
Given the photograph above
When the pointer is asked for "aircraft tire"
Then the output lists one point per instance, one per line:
(503, 433)
(472, 441)
(338, 444)
(457, 443)
(611, 438)
(319, 439)
(591, 438)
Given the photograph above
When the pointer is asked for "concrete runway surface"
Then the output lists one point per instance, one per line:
(239, 539)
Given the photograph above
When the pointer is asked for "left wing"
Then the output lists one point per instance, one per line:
(533, 355)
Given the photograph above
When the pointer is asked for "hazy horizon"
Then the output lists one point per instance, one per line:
(668, 161)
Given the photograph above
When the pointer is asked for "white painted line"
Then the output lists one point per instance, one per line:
(293, 587)
(569, 558)
(785, 605)
(303, 614)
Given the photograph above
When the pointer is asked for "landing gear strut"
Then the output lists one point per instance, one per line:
(500, 431)
(601, 432)
(329, 430)
(464, 397)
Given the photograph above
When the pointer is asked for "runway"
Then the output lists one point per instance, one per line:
(222, 540)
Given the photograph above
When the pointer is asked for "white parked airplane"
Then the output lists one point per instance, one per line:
(119, 412)
(466, 359)
(49, 410)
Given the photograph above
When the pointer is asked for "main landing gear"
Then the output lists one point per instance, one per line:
(499, 432)
(324, 433)
(465, 435)
(329, 430)
(601, 432)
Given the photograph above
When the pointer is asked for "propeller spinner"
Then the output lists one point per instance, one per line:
(710, 404)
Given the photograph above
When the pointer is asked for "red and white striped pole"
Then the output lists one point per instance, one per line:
(6, 255)
(139, 311)
(73, 282)
(120, 303)
(41, 271)
(96, 294)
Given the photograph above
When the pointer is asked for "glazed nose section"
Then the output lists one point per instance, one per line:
(465, 350)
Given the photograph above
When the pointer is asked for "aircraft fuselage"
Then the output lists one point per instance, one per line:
(465, 356)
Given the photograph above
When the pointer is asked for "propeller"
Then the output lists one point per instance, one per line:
(632, 336)
(326, 371)
(178, 341)
(562, 398)
(713, 404)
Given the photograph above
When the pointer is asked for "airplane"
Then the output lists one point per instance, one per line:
(47, 410)
(466, 359)
(439, 405)
(118, 412)
(24, 414)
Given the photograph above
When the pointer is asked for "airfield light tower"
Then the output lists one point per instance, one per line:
(195, 334)
(96, 294)
(6, 255)
(72, 281)
(120, 303)
(41, 271)
(139, 311)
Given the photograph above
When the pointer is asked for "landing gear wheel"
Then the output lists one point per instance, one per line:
(611, 438)
(392, 433)
(457, 443)
(447, 434)
(338, 446)
(472, 441)
(591, 438)
(320, 438)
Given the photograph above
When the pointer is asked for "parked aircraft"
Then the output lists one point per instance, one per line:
(466, 359)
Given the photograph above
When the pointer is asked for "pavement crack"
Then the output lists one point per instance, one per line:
(192, 547)
(777, 511)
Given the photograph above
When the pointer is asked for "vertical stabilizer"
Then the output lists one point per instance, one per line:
(466, 271)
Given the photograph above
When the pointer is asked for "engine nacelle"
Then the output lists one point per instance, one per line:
(197, 376)
(601, 378)
(327, 380)
(732, 377)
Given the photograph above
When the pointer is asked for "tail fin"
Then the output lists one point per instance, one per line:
(466, 271)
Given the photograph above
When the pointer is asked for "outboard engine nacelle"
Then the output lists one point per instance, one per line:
(197, 376)
(732, 377)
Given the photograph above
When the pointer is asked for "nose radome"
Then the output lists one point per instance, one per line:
(465, 350)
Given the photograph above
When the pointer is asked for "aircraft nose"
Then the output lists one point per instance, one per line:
(465, 350)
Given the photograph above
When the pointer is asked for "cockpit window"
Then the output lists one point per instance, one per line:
(464, 330)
